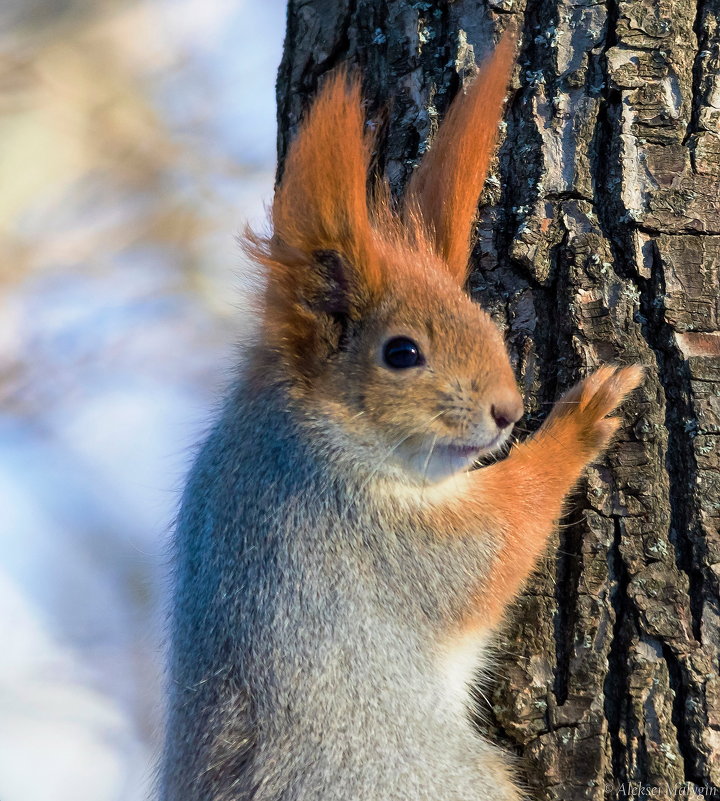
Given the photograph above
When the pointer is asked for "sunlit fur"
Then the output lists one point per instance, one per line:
(338, 570)
(446, 185)
(400, 276)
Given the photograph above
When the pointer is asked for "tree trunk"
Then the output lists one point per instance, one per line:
(599, 240)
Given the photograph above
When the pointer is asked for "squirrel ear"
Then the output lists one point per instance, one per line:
(321, 202)
(336, 288)
(444, 190)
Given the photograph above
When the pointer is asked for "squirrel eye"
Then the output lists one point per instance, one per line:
(401, 352)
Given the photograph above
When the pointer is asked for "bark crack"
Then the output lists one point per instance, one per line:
(616, 685)
(568, 571)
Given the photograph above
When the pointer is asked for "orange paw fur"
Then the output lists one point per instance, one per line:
(529, 487)
(580, 417)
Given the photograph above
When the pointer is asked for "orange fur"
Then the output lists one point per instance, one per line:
(322, 204)
(338, 467)
(340, 256)
(528, 488)
(446, 186)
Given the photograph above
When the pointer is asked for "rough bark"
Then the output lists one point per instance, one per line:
(599, 241)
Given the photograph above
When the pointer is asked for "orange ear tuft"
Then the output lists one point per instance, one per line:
(445, 188)
(321, 202)
(321, 258)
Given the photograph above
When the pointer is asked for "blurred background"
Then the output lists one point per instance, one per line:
(136, 138)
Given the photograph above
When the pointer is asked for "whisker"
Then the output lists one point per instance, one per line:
(495, 647)
(477, 690)
(392, 450)
(559, 442)
(531, 435)
(427, 463)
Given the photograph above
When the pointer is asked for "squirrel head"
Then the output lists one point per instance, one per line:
(365, 311)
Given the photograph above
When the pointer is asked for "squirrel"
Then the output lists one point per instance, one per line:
(339, 566)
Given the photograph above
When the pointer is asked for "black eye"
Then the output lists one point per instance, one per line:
(401, 352)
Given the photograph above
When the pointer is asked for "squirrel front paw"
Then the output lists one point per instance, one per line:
(579, 419)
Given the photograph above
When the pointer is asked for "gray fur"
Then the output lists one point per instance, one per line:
(307, 622)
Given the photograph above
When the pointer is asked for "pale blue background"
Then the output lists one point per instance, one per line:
(136, 139)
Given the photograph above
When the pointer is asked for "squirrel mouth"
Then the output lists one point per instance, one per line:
(466, 451)
(437, 459)
(473, 452)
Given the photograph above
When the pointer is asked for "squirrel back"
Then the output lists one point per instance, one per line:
(339, 567)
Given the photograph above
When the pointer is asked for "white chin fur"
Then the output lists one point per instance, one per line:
(435, 462)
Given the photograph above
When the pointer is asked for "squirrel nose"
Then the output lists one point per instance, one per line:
(507, 411)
